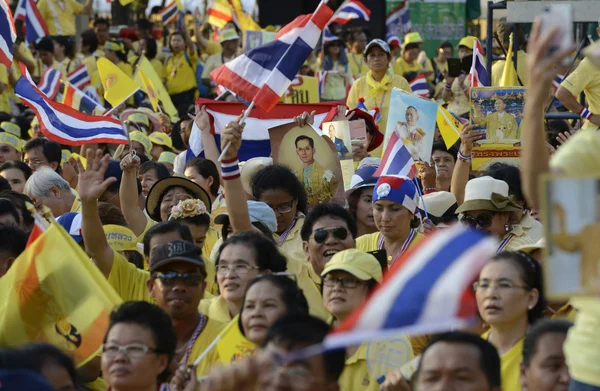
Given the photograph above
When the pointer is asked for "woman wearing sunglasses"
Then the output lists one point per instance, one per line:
(510, 298)
(138, 347)
(348, 279)
(488, 207)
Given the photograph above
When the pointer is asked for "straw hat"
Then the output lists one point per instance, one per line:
(487, 193)
(250, 168)
(159, 188)
(440, 206)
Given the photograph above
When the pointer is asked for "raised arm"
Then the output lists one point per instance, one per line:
(202, 121)
(87, 8)
(92, 186)
(462, 168)
(128, 195)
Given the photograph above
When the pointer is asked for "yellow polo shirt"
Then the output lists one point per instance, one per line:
(370, 242)
(579, 156)
(310, 290)
(510, 365)
(293, 242)
(59, 15)
(582, 347)
(586, 78)
(129, 281)
(180, 72)
(215, 308)
(356, 375)
(206, 337)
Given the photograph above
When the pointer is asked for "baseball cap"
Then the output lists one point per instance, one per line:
(160, 138)
(176, 251)
(228, 35)
(377, 42)
(71, 222)
(259, 213)
(12, 128)
(10, 139)
(468, 42)
(358, 263)
(141, 138)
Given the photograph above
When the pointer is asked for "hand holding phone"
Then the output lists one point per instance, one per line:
(558, 17)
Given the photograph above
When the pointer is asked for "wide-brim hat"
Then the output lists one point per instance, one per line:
(250, 168)
(363, 177)
(440, 206)
(156, 125)
(487, 193)
(158, 189)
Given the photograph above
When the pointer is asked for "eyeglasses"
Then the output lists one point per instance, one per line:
(321, 235)
(189, 279)
(282, 209)
(133, 351)
(347, 283)
(484, 220)
(501, 286)
(239, 269)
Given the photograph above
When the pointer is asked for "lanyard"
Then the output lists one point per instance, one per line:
(284, 235)
(192, 341)
(405, 245)
(55, 15)
(176, 65)
(359, 66)
(504, 243)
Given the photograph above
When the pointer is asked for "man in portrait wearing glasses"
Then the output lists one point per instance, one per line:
(320, 183)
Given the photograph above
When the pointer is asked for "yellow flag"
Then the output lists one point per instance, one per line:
(304, 89)
(509, 74)
(146, 67)
(219, 13)
(149, 90)
(118, 87)
(449, 126)
(125, 2)
(53, 293)
(232, 345)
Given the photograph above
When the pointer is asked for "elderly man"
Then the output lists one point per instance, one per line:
(500, 124)
(320, 183)
(46, 187)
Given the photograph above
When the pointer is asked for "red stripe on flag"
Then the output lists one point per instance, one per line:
(234, 82)
(4, 59)
(266, 98)
(280, 111)
(299, 22)
(218, 14)
(322, 16)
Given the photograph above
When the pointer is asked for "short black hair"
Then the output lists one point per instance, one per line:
(7, 208)
(265, 251)
(164, 228)
(161, 170)
(327, 209)
(537, 331)
(155, 320)
(100, 21)
(440, 145)
(151, 51)
(307, 330)
(19, 200)
(51, 149)
(12, 240)
(489, 360)
(4, 185)
(68, 42)
(45, 44)
(275, 176)
(88, 38)
(509, 174)
(303, 137)
(19, 165)
(291, 295)
(207, 168)
(260, 226)
(446, 45)
(43, 354)
(144, 24)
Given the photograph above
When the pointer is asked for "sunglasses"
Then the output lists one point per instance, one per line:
(321, 235)
(171, 278)
(484, 220)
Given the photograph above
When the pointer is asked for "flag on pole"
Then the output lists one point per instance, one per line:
(264, 74)
(20, 11)
(35, 25)
(242, 19)
(419, 86)
(80, 77)
(149, 90)
(328, 36)
(50, 82)
(427, 290)
(118, 87)
(145, 66)
(350, 10)
(449, 126)
(64, 124)
(169, 13)
(53, 293)
(232, 345)
(396, 159)
(219, 14)
(75, 98)
(398, 20)
(509, 74)
(478, 75)
(8, 34)
(322, 79)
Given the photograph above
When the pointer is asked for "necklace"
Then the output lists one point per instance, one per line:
(192, 341)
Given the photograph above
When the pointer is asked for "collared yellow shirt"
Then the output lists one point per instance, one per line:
(58, 15)
(206, 337)
(216, 308)
(292, 245)
(180, 72)
(510, 365)
(582, 347)
(532, 228)
(586, 78)
(370, 242)
(306, 283)
(579, 156)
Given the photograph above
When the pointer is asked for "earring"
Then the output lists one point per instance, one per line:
(530, 307)
(507, 228)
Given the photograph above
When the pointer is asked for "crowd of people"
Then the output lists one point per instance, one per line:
(194, 247)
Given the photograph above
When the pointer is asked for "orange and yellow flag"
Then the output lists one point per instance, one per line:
(53, 293)
(149, 90)
(219, 14)
(449, 126)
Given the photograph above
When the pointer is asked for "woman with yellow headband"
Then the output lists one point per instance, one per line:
(115, 51)
(376, 86)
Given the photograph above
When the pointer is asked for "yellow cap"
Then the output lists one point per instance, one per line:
(139, 118)
(142, 139)
(228, 35)
(120, 238)
(412, 38)
(468, 42)
(358, 263)
(65, 156)
(11, 139)
(76, 156)
(12, 128)
(161, 138)
(35, 121)
(167, 157)
(114, 46)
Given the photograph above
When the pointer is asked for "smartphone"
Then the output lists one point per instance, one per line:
(559, 16)
(381, 256)
(454, 67)
(466, 63)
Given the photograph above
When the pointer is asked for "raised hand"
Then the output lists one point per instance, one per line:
(305, 119)
(232, 133)
(201, 119)
(427, 175)
(91, 183)
(130, 162)
(467, 138)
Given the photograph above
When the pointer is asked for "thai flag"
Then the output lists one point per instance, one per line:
(398, 20)
(264, 74)
(50, 82)
(75, 98)
(349, 10)
(419, 86)
(478, 75)
(20, 11)
(328, 36)
(64, 124)
(169, 13)
(396, 159)
(255, 139)
(322, 79)
(35, 25)
(80, 77)
(427, 290)
(8, 34)
(557, 80)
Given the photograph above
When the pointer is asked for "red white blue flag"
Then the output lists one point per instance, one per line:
(20, 10)
(8, 34)
(419, 86)
(328, 36)
(427, 290)
(35, 25)
(478, 75)
(50, 82)
(396, 159)
(169, 13)
(264, 74)
(350, 10)
(398, 20)
(80, 77)
(64, 124)
(557, 80)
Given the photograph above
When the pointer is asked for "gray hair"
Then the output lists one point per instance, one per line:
(42, 180)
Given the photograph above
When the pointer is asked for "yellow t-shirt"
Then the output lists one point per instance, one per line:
(309, 289)
(59, 15)
(356, 375)
(510, 365)
(158, 67)
(358, 65)
(180, 72)
(360, 89)
(292, 245)
(129, 281)
(585, 78)
(206, 337)
(402, 67)
(580, 156)
(215, 308)
(68, 65)
(498, 69)
(212, 47)
(582, 347)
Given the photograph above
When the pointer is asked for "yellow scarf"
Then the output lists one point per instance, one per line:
(376, 87)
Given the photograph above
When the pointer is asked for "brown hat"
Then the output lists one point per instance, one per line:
(159, 188)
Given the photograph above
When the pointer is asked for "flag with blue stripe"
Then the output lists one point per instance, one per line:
(396, 159)
(79, 77)
(169, 13)
(8, 34)
(478, 75)
(35, 25)
(50, 82)
(398, 20)
(420, 87)
(350, 10)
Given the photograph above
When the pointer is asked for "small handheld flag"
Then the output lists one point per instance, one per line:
(396, 159)
(50, 82)
(350, 10)
(169, 13)
(219, 14)
(35, 25)
(20, 11)
(449, 126)
(150, 91)
(478, 75)
(81, 102)
(118, 87)
(8, 34)
(80, 77)
(398, 20)
(145, 66)
(419, 86)
(509, 74)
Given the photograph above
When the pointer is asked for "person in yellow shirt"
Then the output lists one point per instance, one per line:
(180, 71)
(348, 279)
(457, 88)
(585, 78)
(150, 50)
(358, 65)
(500, 124)
(46, 187)
(230, 43)
(440, 62)
(87, 56)
(334, 59)
(116, 53)
(102, 30)
(510, 298)
(413, 60)
(376, 86)
(45, 57)
(59, 14)
(504, 30)
(64, 54)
